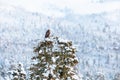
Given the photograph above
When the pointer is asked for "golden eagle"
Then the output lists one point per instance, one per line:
(47, 33)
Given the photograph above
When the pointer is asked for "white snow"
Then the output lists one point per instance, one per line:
(52, 8)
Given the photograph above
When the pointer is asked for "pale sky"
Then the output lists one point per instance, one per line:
(53, 7)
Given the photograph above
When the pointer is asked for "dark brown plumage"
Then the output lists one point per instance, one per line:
(47, 33)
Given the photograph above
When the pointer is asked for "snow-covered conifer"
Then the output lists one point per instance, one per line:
(18, 72)
(54, 59)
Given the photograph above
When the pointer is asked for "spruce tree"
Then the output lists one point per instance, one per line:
(18, 72)
(54, 59)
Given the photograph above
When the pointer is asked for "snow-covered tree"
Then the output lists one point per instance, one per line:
(99, 76)
(54, 59)
(18, 72)
(3, 72)
(117, 76)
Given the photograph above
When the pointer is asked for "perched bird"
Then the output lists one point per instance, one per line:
(47, 33)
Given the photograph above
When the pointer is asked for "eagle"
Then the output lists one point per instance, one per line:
(47, 33)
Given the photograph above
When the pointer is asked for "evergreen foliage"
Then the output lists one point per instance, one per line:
(54, 59)
(18, 72)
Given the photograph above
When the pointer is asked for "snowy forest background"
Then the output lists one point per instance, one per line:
(95, 35)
